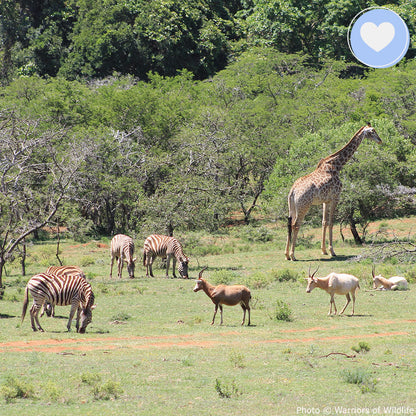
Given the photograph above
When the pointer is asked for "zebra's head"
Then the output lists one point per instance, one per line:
(85, 317)
(183, 267)
(130, 268)
(48, 309)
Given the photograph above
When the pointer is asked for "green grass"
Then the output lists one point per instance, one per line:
(151, 350)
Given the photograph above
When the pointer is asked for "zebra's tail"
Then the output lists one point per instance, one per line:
(144, 258)
(25, 302)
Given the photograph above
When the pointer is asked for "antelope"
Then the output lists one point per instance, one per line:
(225, 295)
(393, 283)
(335, 284)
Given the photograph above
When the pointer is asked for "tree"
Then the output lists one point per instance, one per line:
(318, 28)
(139, 36)
(36, 174)
(109, 189)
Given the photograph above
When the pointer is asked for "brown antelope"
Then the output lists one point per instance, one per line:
(225, 295)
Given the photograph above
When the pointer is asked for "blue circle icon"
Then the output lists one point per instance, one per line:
(378, 37)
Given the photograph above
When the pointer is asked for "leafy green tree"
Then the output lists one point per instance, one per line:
(318, 28)
(141, 36)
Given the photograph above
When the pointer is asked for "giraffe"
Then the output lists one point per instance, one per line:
(322, 186)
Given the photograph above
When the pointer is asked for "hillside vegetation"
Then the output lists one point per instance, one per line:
(139, 117)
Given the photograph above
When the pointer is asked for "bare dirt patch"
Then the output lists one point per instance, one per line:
(186, 341)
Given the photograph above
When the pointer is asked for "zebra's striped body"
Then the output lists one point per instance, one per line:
(65, 271)
(164, 246)
(62, 271)
(59, 290)
(122, 249)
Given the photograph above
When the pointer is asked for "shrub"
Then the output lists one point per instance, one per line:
(237, 359)
(259, 280)
(16, 389)
(226, 390)
(282, 311)
(87, 261)
(108, 390)
(256, 234)
(90, 378)
(105, 391)
(222, 277)
(362, 378)
(286, 275)
(362, 347)
(52, 391)
(121, 316)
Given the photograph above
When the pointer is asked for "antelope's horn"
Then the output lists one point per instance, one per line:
(313, 274)
(200, 273)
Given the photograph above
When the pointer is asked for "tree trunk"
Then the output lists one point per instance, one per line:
(23, 260)
(169, 230)
(2, 262)
(354, 232)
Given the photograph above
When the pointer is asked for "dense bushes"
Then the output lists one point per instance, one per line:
(172, 152)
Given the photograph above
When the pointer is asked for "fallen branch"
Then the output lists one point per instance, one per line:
(390, 365)
(338, 353)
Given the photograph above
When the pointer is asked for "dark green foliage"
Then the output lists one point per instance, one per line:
(97, 38)
(361, 347)
(13, 389)
(226, 390)
(282, 311)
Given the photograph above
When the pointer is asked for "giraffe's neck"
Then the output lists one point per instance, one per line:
(337, 160)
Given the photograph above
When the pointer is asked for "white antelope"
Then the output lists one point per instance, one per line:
(225, 295)
(393, 283)
(335, 283)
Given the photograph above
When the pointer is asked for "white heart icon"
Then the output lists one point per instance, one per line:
(377, 37)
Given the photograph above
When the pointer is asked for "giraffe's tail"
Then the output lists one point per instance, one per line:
(289, 228)
(292, 214)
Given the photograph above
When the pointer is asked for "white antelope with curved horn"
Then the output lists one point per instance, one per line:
(335, 283)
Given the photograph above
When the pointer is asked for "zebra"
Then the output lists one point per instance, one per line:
(59, 290)
(60, 271)
(164, 246)
(122, 248)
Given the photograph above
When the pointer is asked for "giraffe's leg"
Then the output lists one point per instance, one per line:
(325, 214)
(331, 225)
(289, 237)
(295, 231)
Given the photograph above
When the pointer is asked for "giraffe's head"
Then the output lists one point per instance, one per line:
(369, 132)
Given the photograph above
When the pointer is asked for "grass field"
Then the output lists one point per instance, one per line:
(151, 350)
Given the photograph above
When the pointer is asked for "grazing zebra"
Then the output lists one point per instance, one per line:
(62, 271)
(122, 248)
(164, 246)
(59, 290)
